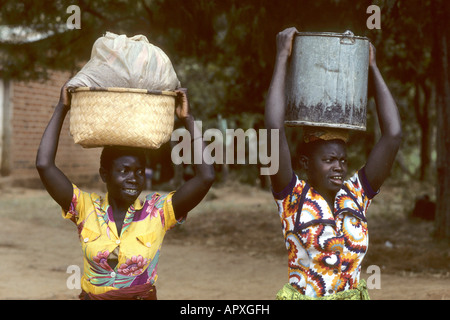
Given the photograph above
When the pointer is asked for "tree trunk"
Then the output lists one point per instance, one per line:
(422, 111)
(441, 13)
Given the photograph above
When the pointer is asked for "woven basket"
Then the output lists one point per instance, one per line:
(121, 117)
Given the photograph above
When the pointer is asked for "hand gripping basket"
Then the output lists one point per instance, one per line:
(121, 117)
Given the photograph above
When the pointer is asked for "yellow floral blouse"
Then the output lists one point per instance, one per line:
(135, 251)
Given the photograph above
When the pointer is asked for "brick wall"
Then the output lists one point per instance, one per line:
(33, 104)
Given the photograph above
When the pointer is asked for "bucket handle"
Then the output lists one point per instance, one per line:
(348, 38)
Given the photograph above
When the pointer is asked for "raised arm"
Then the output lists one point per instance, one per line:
(57, 184)
(383, 154)
(194, 190)
(275, 109)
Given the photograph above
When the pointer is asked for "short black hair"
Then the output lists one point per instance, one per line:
(110, 153)
(308, 148)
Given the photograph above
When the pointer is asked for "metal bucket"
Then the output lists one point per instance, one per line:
(327, 80)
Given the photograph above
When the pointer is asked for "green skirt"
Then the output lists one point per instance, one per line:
(288, 292)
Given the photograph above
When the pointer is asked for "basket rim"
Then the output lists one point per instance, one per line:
(122, 90)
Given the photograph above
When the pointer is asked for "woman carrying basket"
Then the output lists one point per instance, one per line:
(324, 218)
(120, 235)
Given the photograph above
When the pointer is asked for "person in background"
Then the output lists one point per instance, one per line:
(324, 218)
(120, 235)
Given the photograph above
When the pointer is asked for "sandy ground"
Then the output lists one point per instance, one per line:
(230, 248)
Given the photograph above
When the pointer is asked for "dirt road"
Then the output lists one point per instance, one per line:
(220, 253)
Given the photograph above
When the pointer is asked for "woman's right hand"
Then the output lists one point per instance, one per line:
(65, 97)
(285, 40)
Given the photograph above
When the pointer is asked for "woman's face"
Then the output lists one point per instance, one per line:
(125, 180)
(326, 167)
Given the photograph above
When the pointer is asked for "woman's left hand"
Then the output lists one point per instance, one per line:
(182, 105)
(372, 55)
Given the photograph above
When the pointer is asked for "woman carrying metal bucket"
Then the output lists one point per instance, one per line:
(324, 218)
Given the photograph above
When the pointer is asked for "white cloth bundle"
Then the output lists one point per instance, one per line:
(119, 61)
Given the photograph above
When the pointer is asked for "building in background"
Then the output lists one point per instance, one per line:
(25, 109)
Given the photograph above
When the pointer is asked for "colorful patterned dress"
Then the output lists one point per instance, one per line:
(325, 248)
(136, 249)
